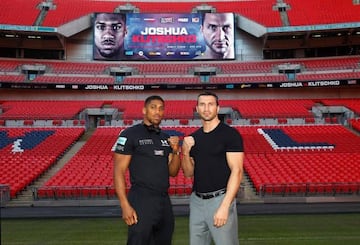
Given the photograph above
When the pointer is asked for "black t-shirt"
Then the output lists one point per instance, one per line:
(149, 152)
(211, 170)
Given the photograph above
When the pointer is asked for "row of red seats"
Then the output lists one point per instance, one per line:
(13, 78)
(42, 109)
(352, 104)
(109, 80)
(272, 108)
(74, 79)
(173, 68)
(355, 124)
(176, 68)
(76, 192)
(59, 67)
(162, 80)
(328, 76)
(310, 189)
(181, 109)
(316, 12)
(184, 109)
(247, 108)
(331, 63)
(54, 122)
(248, 79)
(10, 12)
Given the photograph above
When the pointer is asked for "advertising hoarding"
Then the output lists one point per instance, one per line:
(188, 36)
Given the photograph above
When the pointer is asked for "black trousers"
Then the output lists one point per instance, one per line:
(155, 217)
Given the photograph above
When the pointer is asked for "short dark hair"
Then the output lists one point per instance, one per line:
(209, 93)
(116, 16)
(151, 98)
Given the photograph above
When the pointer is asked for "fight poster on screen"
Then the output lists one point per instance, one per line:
(170, 36)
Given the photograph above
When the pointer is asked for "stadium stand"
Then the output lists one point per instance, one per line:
(319, 13)
(68, 11)
(77, 68)
(175, 109)
(91, 170)
(308, 167)
(175, 73)
(26, 153)
(248, 79)
(29, 12)
(13, 78)
(352, 104)
(259, 11)
(339, 144)
(307, 170)
(355, 124)
(337, 63)
(299, 141)
(272, 108)
(327, 76)
(162, 80)
(45, 109)
(74, 79)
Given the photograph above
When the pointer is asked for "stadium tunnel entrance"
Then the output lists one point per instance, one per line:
(99, 116)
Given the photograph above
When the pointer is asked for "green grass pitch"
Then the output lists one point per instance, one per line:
(321, 229)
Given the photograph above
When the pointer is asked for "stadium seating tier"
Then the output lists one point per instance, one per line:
(26, 153)
(301, 170)
(261, 11)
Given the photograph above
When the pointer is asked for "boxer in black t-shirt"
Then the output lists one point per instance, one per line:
(214, 156)
(151, 156)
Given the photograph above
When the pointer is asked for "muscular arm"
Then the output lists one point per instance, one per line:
(235, 161)
(174, 164)
(121, 164)
(174, 159)
(187, 162)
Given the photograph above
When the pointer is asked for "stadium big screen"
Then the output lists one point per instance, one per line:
(134, 36)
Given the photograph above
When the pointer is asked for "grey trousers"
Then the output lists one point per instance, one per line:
(201, 224)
